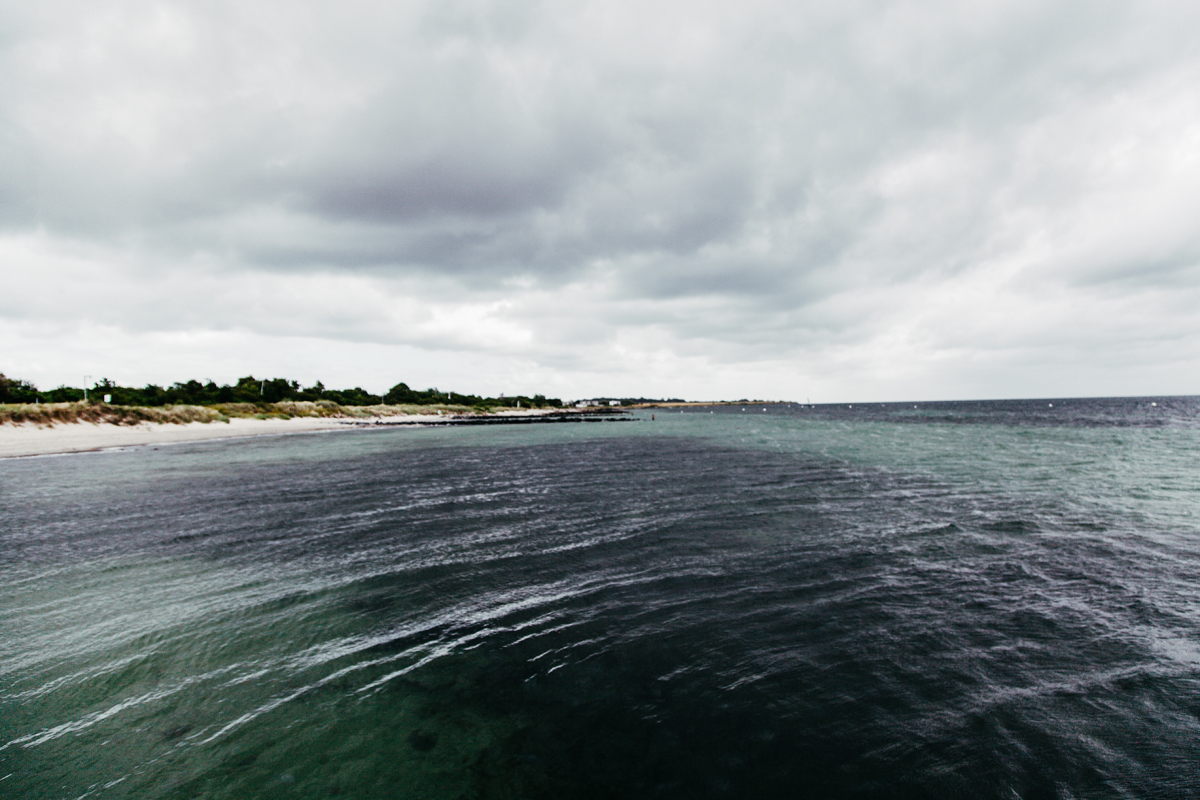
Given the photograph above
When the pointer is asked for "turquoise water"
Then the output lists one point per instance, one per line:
(988, 600)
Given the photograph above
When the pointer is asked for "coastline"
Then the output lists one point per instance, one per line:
(28, 439)
(18, 440)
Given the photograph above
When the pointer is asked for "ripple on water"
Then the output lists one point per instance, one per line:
(677, 614)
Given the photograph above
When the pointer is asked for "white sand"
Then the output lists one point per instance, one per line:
(28, 439)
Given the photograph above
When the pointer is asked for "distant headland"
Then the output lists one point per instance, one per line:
(107, 415)
(207, 401)
(258, 392)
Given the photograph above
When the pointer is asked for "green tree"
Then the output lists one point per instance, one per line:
(15, 390)
(400, 393)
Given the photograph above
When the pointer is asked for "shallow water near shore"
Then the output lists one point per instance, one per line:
(952, 600)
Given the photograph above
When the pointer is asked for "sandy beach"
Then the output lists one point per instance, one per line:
(27, 439)
(31, 440)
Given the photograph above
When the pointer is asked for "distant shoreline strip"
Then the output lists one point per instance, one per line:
(538, 419)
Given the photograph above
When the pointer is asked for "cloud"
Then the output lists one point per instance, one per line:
(889, 192)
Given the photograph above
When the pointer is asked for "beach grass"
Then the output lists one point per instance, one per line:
(48, 414)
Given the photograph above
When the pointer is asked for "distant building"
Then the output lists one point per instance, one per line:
(614, 402)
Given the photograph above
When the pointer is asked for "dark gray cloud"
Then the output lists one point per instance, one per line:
(614, 190)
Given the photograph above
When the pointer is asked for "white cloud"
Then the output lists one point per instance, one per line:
(858, 200)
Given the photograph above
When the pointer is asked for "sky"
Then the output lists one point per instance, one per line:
(851, 201)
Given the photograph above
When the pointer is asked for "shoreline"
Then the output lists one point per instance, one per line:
(22, 440)
(26, 439)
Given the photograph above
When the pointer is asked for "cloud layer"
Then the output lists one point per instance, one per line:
(864, 200)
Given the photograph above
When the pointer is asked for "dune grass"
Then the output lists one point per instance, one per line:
(327, 408)
(55, 413)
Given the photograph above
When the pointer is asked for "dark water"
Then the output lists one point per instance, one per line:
(958, 600)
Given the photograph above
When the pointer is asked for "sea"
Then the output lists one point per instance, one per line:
(905, 600)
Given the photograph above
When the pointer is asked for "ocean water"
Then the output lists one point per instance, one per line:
(988, 600)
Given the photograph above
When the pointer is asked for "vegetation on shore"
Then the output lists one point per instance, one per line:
(250, 396)
(51, 413)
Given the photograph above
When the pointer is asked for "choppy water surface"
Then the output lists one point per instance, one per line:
(954, 600)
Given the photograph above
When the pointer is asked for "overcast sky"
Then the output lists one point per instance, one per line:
(835, 201)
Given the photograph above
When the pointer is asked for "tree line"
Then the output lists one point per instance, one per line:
(252, 390)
